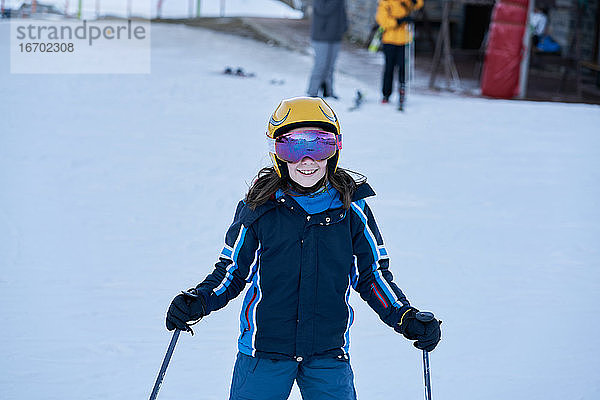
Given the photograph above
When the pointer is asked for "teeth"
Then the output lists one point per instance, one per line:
(309, 172)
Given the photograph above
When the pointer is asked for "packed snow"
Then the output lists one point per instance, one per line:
(117, 191)
(170, 8)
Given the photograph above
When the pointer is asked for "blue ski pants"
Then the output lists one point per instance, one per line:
(318, 379)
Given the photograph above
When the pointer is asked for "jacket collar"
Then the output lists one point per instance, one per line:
(363, 191)
(248, 216)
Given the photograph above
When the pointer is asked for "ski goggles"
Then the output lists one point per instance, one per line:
(316, 144)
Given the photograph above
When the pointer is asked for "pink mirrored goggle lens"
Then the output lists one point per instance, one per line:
(318, 145)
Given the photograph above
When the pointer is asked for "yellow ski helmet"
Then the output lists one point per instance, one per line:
(298, 112)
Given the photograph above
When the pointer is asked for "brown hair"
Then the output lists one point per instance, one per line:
(267, 182)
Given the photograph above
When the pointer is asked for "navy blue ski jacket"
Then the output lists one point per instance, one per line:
(300, 268)
(329, 21)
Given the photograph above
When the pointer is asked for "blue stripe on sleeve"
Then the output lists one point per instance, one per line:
(376, 255)
(229, 275)
(226, 252)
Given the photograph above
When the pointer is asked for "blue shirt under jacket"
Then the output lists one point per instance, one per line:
(322, 200)
(301, 259)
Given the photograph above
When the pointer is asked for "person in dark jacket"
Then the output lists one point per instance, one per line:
(303, 238)
(328, 26)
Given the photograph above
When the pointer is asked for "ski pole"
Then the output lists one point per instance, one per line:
(426, 316)
(408, 60)
(412, 58)
(426, 375)
(165, 364)
(191, 293)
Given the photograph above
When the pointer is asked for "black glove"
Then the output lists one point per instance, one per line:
(427, 334)
(185, 307)
(400, 21)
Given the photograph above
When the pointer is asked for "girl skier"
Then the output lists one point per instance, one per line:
(302, 238)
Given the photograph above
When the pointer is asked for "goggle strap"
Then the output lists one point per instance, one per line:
(271, 144)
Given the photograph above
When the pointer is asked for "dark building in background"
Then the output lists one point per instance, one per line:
(469, 22)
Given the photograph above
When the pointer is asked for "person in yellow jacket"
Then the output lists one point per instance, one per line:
(394, 17)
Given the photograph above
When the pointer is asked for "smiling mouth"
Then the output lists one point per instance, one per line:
(308, 172)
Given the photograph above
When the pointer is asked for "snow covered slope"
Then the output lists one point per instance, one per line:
(172, 8)
(117, 191)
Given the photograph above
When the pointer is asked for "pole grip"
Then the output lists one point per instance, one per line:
(425, 316)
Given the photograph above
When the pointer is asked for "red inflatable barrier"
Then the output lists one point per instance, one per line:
(504, 50)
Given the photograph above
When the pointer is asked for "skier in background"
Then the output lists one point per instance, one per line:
(538, 22)
(394, 17)
(303, 237)
(541, 39)
(327, 28)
